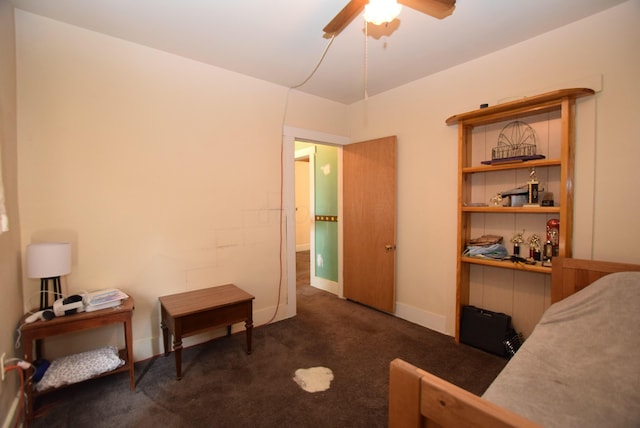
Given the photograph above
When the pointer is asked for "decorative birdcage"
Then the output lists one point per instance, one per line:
(517, 139)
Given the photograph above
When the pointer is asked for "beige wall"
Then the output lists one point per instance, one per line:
(600, 49)
(163, 173)
(10, 265)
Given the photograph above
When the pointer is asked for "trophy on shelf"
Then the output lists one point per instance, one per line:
(535, 247)
(517, 239)
(553, 236)
(532, 189)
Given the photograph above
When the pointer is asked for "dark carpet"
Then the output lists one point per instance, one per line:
(222, 386)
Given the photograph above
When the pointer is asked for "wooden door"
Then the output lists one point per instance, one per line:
(369, 211)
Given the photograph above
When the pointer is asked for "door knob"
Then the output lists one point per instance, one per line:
(389, 247)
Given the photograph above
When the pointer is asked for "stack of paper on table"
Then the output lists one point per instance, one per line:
(103, 299)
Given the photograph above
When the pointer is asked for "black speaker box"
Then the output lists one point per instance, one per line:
(484, 329)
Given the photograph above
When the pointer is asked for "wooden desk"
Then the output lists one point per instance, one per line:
(191, 312)
(39, 330)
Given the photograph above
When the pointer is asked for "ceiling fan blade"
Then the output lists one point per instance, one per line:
(437, 8)
(344, 17)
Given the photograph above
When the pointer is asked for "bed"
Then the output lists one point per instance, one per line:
(580, 366)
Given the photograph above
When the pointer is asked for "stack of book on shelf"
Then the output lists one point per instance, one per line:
(103, 299)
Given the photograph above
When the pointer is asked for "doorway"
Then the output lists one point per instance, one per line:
(317, 177)
(371, 167)
(290, 135)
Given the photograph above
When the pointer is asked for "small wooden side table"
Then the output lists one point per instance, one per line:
(191, 312)
(40, 330)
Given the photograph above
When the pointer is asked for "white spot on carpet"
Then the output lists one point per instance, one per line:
(315, 379)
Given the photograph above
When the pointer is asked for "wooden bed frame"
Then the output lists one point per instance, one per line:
(420, 399)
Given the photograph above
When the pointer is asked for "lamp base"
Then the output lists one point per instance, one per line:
(44, 291)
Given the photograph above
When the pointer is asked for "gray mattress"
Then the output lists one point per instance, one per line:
(581, 365)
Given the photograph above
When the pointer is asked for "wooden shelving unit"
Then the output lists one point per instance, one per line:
(473, 176)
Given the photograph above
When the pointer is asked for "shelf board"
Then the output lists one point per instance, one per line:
(520, 210)
(514, 165)
(506, 264)
(122, 353)
(513, 109)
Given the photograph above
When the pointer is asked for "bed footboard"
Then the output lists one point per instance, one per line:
(420, 399)
(404, 394)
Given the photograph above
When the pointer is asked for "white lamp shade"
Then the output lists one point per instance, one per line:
(48, 259)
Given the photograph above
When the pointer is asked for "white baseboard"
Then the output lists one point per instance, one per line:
(11, 415)
(421, 317)
(325, 284)
(153, 346)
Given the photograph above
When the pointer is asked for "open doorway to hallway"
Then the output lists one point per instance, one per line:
(382, 228)
(317, 171)
(303, 273)
(289, 138)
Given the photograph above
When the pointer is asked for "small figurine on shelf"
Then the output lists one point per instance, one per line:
(535, 247)
(496, 200)
(548, 254)
(517, 239)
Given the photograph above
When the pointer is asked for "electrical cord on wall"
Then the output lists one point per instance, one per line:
(284, 116)
(286, 103)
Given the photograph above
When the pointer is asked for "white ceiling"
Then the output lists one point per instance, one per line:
(281, 41)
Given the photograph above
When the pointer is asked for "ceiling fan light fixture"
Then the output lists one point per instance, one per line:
(381, 11)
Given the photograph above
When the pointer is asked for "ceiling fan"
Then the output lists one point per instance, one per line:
(437, 8)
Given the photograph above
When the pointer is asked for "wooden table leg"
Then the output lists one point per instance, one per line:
(128, 339)
(248, 325)
(165, 337)
(27, 342)
(177, 350)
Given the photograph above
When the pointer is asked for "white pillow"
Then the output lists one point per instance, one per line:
(78, 367)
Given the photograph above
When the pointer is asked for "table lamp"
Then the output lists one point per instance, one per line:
(48, 261)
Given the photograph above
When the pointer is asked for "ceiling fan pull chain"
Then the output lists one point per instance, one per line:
(366, 61)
